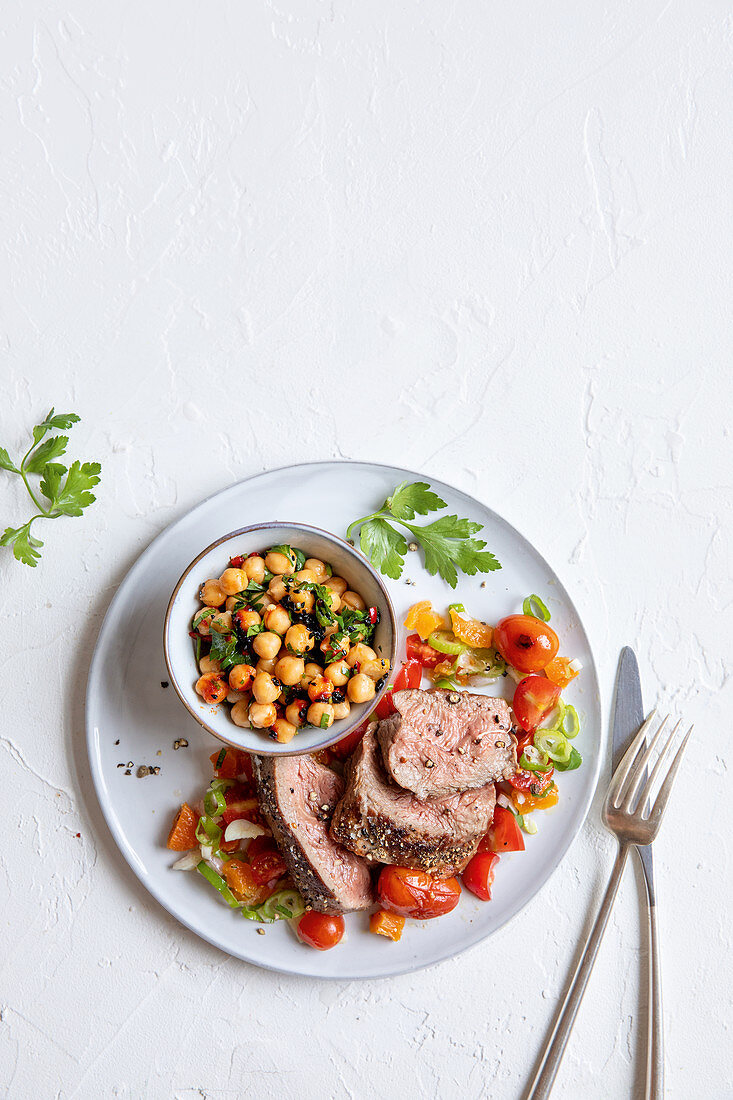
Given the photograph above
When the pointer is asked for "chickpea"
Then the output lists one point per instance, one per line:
(359, 654)
(241, 677)
(212, 594)
(232, 581)
(222, 623)
(266, 665)
(337, 585)
(320, 714)
(277, 619)
(264, 688)
(320, 690)
(279, 564)
(295, 712)
(264, 601)
(303, 601)
(353, 600)
(335, 603)
(310, 673)
(234, 697)
(233, 602)
(254, 568)
(337, 672)
(246, 619)
(289, 670)
(306, 575)
(202, 621)
(318, 568)
(277, 589)
(207, 665)
(212, 687)
(299, 640)
(375, 670)
(262, 715)
(360, 688)
(240, 712)
(341, 710)
(284, 730)
(266, 645)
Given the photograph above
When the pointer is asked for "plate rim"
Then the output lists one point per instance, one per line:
(149, 883)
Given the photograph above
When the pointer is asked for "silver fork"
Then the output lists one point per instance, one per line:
(627, 814)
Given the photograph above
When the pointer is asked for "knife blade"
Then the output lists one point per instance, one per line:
(628, 712)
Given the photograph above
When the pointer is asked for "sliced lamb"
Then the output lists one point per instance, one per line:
(440, 742)
(380, 821)
(298, 795)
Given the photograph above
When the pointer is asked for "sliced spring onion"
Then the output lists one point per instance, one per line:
(214, 802)
(574, 761)
(572, 728)
(199, 646)
(445, 642)
(208, 832)
(534, 606)
(457, 607)
(285, 903)
(507, 803)
(553, 720)
(220, 758)
(222, 784)
(527, 824)
(218, 882)
(324, 722)
(446, 684)
(532, 760)
(554, 744)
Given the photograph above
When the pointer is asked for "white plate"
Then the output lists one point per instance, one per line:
(126, 703)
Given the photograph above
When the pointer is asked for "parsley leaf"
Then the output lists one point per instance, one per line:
(67, 492)
(448, 542)
(408, 499)
(224, 649)
(384, 546)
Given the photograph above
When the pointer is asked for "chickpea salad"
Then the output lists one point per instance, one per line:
(285, 642)
(229, 836)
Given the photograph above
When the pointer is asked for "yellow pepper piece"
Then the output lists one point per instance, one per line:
(471, 631)
(422, 618)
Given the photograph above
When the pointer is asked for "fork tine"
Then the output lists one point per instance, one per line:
(620, 775)
(665, 790)
(638, 777)
(660, 763)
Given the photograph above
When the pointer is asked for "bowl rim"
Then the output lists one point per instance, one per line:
(307, 528)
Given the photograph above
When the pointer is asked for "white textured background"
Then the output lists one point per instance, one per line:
(486, 240)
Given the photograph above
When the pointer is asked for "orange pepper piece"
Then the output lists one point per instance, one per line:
(387, 924)
(424, 619)
(560, 672)
(238, 876)
(182, 836)
(471, 631)
(525, 802)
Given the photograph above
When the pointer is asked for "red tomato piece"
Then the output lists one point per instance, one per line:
(320, 930)
(479, 875)
(526, 643)
(534, 783)
(534, 697)
(413, 893)
(242, 803)
(237, 562)
(504, 834)
(267, 866)
(418, 650)
(231, 764)
(346, 745)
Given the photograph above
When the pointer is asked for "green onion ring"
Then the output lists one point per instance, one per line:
(218, 882)
(574, 721)
(535, 607)
(214, 802)
(555, 744)
(440, 640)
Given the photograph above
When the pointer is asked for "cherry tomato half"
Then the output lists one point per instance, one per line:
(534, 697)
(418, 650)
(344, 748)
(409, 676)
(320, 930)
(413, 893)
(479, 875)
(525, 643)
(504, 834)
(267, 866)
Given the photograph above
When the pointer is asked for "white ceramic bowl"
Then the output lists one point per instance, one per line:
(178, 646)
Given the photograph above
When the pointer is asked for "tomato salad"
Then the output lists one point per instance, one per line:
(226, 839)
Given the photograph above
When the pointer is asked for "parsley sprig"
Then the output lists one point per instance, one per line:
(447, 542)
(67, 492)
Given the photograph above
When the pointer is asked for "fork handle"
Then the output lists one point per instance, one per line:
(655, 1030)
(550, 1064)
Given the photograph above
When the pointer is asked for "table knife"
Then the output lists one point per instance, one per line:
(628, 716)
